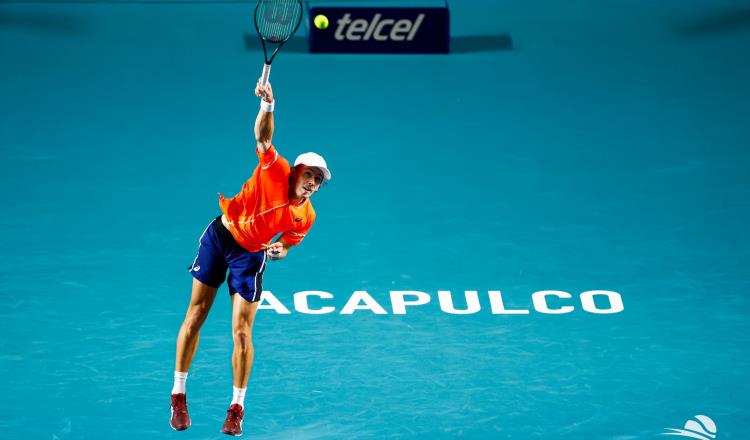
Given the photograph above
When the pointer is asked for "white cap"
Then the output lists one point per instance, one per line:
(313, 160)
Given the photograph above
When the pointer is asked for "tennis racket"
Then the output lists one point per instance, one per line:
(276, 21)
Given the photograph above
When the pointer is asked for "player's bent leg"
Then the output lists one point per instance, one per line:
(243, 316)
(201, 300)
(208, 271)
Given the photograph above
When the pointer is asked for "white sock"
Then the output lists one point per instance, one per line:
(238, 396)
(179, 382)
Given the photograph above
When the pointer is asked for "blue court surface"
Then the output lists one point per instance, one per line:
(571, 146)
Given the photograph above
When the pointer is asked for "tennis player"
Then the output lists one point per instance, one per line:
(275, 201)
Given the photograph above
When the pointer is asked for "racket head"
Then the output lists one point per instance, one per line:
(276, 21)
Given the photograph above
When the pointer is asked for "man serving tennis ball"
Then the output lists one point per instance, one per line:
(274, 201)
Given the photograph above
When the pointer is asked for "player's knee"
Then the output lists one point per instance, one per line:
(242, 339)
(195, 318)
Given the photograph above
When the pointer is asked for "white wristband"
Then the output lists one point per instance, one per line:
(267, 106)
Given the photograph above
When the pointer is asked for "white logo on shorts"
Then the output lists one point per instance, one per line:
(196, 268)
(702, 428)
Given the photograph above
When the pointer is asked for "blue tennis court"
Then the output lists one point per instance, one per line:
(562, 146)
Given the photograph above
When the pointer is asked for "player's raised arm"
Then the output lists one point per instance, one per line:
(264, 121)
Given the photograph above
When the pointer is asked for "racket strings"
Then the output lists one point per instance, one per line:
(277, 20)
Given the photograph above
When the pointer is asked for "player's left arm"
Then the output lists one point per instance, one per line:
(278, 250)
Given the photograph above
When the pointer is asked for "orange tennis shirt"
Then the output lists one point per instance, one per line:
(262, 209)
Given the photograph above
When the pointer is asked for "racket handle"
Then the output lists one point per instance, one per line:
(266, 74)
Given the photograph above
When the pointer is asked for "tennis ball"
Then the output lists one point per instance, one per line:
(321, 21)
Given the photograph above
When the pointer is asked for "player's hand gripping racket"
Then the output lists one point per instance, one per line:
(276, 21)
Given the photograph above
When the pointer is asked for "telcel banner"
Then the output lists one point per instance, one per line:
(381, 30)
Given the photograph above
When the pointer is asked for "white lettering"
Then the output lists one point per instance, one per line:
(551, 302)
(358, 25)
(369, 304)
(371, 28)
(399, 303)
(269, 301)
(300, 302)
(614, 298)
(363, 29)
(498, 308)
(446, 302)
(381, 25)
(342, 22)
(540, 302)
(401, 26)
(414, 30)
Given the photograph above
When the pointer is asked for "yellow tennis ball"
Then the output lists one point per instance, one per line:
(321, 21)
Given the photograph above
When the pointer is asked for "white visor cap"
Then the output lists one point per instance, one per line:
(313, 160)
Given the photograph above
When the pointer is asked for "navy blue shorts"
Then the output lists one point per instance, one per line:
(217, 252)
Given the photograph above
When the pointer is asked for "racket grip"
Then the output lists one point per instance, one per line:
(266, 74)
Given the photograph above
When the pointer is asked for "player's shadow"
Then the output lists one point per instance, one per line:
(463, 44)
(44, 22)
(719, 22)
